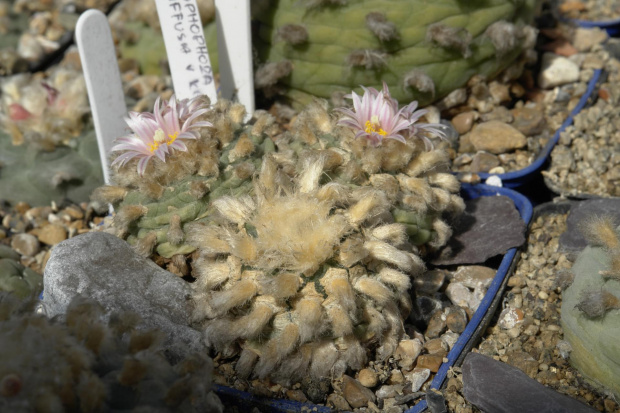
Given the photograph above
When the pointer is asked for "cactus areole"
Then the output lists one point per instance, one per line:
(422, 49)
(302, 243)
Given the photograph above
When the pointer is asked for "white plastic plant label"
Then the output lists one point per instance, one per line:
(234, 47)
(192, 74)
(103, 81)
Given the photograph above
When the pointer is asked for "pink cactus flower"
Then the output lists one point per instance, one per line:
(161, 132)
(376, 117)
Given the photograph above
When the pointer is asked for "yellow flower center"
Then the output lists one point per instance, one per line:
(373, 125)
(160, 138)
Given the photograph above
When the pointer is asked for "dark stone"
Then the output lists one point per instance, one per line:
(612, 46)
(106, 269)
(429, 282)
(493, 386)
(316, 389)
(490, 226)
(572, 239)
(436, 402)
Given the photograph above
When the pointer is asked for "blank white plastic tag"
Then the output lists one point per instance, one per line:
(186, 48)
(103, 81)
(234, 47)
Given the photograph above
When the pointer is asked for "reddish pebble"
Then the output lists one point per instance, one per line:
(561, 47)
(604, 94)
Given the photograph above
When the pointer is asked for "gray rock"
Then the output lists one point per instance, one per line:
(490, 226)
(436, 402)
(572, 239)
(106, 269)
(493, 386)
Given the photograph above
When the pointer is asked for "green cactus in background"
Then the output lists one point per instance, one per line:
(590, 307)
(302, 242)
(34, 175)
(84, 364)
(15, 278)
(423, 50)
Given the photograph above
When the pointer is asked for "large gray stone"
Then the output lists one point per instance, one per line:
(106, 269)
(572, 239)
(493, 386)
(490, 226)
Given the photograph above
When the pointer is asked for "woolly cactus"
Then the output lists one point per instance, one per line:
(423, 50)
(590, 316)
(85, 364)
(303, 243)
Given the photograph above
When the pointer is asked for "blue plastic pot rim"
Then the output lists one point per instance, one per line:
(524, 207)
(603, 24)
(517, 178)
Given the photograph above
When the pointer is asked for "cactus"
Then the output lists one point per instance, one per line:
(31, 174)
(590, 316)
(85, 364)
(15, 278)
(302, 243)
(422, 50)
(47, 150)
(49, 111)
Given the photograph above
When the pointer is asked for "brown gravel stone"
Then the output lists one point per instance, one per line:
(529, 121)
(52, 234)
(483, 162)
(25, 244)
(296, 395)
(496, 137)
(456, 321)
(367, 378)
(473, 275)
(396, 377)
(356, 394)
(338, 402)
(524, 362)
(436, 325)
(429, 361)
(463, 122)
(407, 352)
(437, 347)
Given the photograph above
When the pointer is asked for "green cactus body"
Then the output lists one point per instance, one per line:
(302, 243)
(423, 50)
(15, 278)
(591, 319)
(38, 177)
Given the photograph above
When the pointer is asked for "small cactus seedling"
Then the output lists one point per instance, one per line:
(88, 365)
(303, 243)
(590, 306)
(422, 50)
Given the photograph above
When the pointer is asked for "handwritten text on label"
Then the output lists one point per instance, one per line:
(186, 48)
